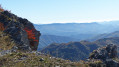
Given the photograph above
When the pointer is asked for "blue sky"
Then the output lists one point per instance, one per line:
(64, 11)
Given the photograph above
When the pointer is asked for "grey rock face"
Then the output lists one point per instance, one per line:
(20, 30)
(107, 52)
(108, 56)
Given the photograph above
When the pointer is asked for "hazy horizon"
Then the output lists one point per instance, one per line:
(64, 11)
(79, 22)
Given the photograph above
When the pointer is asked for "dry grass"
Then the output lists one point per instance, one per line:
(27, 59)
(21, 59)
(6, 42)
(1, 9)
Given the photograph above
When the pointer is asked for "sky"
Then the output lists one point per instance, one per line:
(64, 11)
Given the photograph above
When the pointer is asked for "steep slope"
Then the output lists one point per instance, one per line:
(20, 30)
(103, 42)
(46, 40)
(108, 35)
(73, 51)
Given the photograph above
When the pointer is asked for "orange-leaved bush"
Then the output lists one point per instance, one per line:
(31, 34)
(2, 28)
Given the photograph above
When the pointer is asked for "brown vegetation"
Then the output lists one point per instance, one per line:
(5, 41)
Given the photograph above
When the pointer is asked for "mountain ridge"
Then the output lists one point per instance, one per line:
(65, 50)
(45, 40)
(69, 29)
(106, 35)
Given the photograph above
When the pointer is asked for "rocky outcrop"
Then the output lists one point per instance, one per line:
(107, 55)
(20, 30)
(107, 52)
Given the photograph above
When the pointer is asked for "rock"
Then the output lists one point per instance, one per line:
(41, 59)
(20, 30)
(111, 63)
(107, 55)
(107, 52)
(4, 52)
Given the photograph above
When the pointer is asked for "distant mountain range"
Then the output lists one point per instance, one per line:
(76, 51)
(46, 40)
(73, 51)
(78, 30)
(106, 35)
(112, 23)
(63, 33)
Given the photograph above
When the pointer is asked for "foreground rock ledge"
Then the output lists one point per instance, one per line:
(104, 57)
